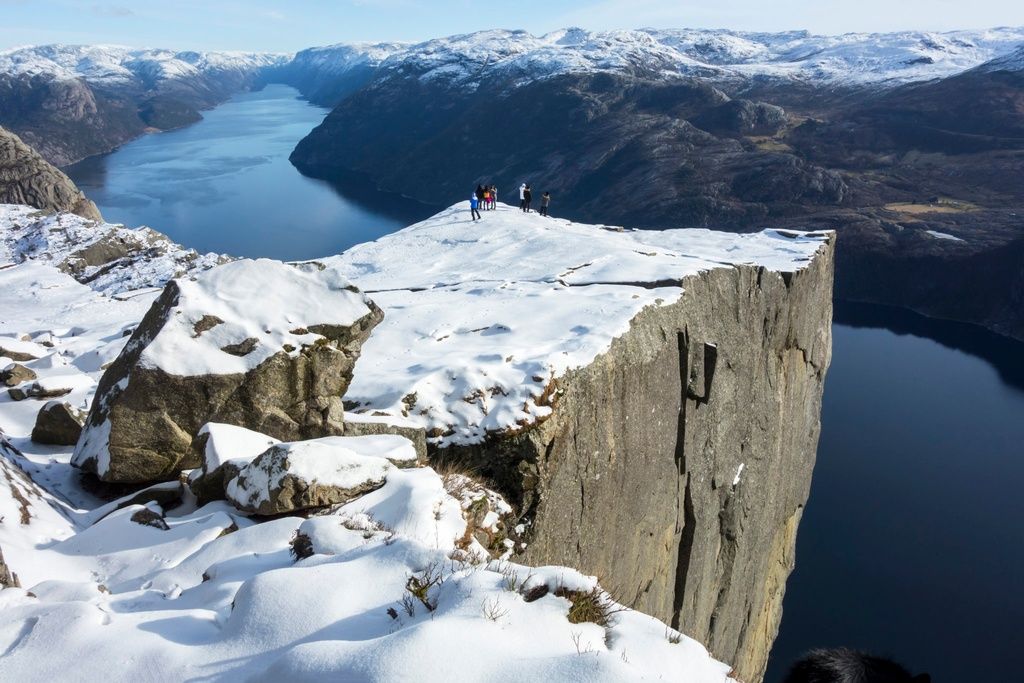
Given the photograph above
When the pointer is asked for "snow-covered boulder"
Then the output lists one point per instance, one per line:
(16, 373)
(58, 423)
(224, 451)
(316, 473)
(258, 344)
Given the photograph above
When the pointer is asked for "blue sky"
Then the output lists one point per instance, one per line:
(281, 25)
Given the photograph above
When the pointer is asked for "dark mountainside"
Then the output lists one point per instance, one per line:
(885, 168)
(27, 178)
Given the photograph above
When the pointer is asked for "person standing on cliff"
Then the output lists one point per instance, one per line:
(474, 207)
(527, 199)
(522, 197)
(545, 200)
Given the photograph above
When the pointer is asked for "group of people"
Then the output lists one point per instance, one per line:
(486, 197)
(526, 199)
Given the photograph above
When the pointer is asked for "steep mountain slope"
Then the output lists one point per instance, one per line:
(70, 102)
(27, 178)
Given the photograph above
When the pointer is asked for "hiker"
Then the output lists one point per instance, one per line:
(494, 197)
(545, 199)
(479, 195)
(474, 205)
(522, 197)
(527, 199)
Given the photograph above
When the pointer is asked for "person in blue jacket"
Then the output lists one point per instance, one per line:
(474, 206)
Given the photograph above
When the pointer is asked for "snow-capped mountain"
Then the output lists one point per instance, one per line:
(116, 66)
(851, 59)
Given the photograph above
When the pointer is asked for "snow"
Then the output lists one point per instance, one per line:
(944, 236)
(113, 65)
(470, 60)
(228, 442)
(339, 462)
(852, 59)
(263, 300)
(490, 312)
(474, 335)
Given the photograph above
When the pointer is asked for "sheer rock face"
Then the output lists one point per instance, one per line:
(227, 348)
(27, 178)
(676, 466)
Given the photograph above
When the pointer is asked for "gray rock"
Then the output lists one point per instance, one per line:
(143, 421)
(632, 476)
(27, 178)
(15, 355)
(15, 373)
(8, 579)
(281, 480)
(59, 424)
(37, 391)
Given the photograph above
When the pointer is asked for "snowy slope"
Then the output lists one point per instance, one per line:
(481, 317)
(117, 66)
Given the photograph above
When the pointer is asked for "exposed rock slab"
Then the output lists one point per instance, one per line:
(257, 344)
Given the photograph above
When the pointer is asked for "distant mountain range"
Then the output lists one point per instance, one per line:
(910, 144)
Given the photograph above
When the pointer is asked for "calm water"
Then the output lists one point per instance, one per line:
(912, 542)
(225, 184)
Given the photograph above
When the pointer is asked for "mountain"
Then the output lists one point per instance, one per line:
(889, 139)
(27, 178)
(73, 101)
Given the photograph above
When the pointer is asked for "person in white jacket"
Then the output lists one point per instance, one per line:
(522, 197)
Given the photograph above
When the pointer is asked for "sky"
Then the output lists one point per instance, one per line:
(290, 25)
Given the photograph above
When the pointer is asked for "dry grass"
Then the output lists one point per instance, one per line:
(941, 206)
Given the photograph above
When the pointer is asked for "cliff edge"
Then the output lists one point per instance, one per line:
(27, 178)
(649, 401)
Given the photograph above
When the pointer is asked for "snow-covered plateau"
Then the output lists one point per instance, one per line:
(479, 319)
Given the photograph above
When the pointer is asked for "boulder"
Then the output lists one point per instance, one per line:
(37, 391)
(223, 450)
(59, 424)
(20, 350)
(16, 373)
(290, 477)
(257, 344)
(365, 425)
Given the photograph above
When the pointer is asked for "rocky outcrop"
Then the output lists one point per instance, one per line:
(257, 344)
(676, 465)
(27, 178)
(59, 424)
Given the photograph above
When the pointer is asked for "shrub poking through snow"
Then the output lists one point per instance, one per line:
(419, 586)
(594, 606)
(301, 546)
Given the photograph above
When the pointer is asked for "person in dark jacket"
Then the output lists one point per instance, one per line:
(527, 199)
(479, 195)
(474, 207)
(545, 200)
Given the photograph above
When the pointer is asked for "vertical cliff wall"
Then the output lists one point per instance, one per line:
(676, 466)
